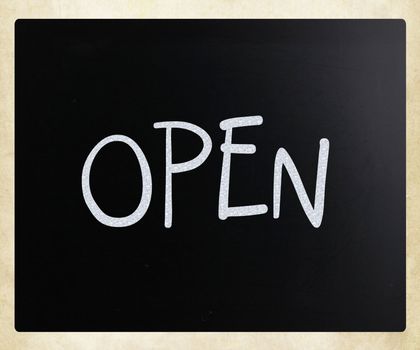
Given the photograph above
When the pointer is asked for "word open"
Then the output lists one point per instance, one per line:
(282, 160)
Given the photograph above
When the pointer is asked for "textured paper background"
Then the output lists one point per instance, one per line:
(10, 10)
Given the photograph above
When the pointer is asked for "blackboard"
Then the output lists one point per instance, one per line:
(78, 82)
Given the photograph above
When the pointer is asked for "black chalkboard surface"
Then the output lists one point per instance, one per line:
(321, 101)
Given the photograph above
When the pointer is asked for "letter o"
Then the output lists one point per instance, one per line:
(146, 178)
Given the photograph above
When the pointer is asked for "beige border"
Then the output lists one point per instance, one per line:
(11, 10)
